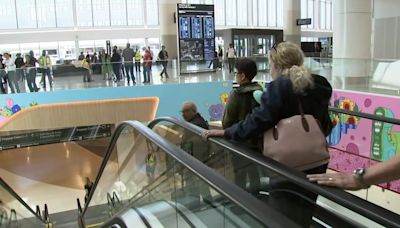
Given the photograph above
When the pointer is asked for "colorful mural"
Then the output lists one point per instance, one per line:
(341, 122)
(216, 111)
(10, 108)
(357, 142)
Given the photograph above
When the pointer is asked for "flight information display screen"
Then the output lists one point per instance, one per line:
(209, 27)
(197, 27)
(184, 24)
(196, 31)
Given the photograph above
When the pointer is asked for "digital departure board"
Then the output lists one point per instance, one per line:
(184, 24)
(209, 27)
(196, 35)
(197, 27)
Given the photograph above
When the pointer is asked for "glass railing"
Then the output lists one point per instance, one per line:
(378, 76)
(15, 212)
(276, 185)
(145, 179)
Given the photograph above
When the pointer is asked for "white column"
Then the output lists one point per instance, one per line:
(291, 12)
(168, 29)
(352, 27)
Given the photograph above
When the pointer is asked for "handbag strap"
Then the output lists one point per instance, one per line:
(304, 122)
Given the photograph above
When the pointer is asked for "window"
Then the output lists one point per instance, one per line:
(152, 12)
(26, 11)
(118, 12)
(329, 15)
(322, 15)
(304, 9)
(262, 12)
(46, 14)
(279, 10)
(255, 13)
(231, 13)
(84, 12)
(272, 13)
(101, 12)
(242, 12)
(310, 12)
(64, 13)
(135, 12)
(219, 6)
(8, 14)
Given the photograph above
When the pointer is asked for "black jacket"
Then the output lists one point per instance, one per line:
(280, 102)
(198, 120)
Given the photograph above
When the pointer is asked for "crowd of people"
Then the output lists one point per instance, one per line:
(123, 63)
(117, 65)
(19, 69)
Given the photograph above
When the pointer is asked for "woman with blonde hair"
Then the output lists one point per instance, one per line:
(292, 83)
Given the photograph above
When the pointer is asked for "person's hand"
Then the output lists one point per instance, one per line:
(212, 133)
(341, 180)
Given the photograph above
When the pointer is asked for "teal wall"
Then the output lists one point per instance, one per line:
(205, 95)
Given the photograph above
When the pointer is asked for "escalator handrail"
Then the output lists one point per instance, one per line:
(364, 115)
(247, 202)
(20, 200)
(341, 197)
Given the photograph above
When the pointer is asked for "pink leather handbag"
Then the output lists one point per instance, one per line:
(297, 142)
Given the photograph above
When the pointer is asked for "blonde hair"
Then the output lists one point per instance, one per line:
(289, 58)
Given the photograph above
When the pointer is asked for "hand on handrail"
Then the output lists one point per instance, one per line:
(212, 133)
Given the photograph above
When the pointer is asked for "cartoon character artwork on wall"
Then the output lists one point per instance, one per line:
(216, 111)
(342, 123)
(384, 141)
(11, 109)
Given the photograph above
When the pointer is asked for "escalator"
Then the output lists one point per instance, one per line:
(14, 212)
(167, 176)
(267, 180)
(146, 181)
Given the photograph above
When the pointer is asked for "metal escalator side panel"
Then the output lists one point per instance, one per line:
(261, 213)
(360, 206)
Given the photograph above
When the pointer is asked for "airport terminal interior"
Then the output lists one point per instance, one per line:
(189, 113)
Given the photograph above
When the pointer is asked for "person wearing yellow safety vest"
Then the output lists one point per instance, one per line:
(45, 67)
(138, 57)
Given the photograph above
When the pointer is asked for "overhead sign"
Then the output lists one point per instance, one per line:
(305, 21)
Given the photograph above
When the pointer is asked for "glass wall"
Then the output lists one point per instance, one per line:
(64, 13)
(320, 12)
(8, 14)
(46, 13)
(33, 14)
(101, 12)
(240, 13)
(135, 12)
(118, 9)
(26, 11)
(152, 12)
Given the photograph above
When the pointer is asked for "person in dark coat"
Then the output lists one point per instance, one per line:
(190, 114)
(290, 82)
(195, 146)
(116, 64)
